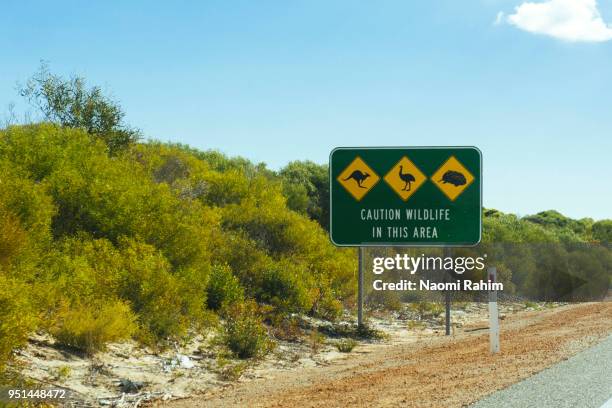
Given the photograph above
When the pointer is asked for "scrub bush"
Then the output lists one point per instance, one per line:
(346, 345)
(90, 327)
(244, 333)
(17, 317)
(425, 309)
(284, 287)
(223, 289)
(166, 303)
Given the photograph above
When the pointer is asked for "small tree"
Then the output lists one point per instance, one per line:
(306, 186)
(602, 230)
(68, 102)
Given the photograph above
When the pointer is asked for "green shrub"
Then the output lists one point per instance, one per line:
(415, 324)
(244, 333)
(283, 286)
(602, 230)
(424, 308)
(17, 317)
(85, 268)
(13, 238)
(232, 372)
(285, 327)
(90, 327)
(306, 186)
(365, 331)
(385, 300)
(316, 340)
(328, 306)
(27, 201)
(346, 345)
(226, 188)
(166, 304)
(61, 373)
(223, 289)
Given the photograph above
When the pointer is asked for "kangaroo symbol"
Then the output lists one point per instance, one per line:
(406, 178)
(359, 177)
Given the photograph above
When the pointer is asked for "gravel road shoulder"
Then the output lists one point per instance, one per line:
(442, 371)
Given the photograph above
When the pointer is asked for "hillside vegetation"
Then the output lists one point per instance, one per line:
(104, 238)
(150, 242)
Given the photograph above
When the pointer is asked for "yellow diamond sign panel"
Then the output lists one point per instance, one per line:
(452, 178)
(358, 178)
(405, 178)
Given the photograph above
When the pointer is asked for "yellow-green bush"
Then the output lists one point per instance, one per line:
(17, 317)
(166, 303)
(328, 306)
(88, 327)
(280, 258)
(424, 308)
(384, 299)
(223, 289)
(285, 286)
(346, 345)
(13, 238)
(24, 220)
(244, 333)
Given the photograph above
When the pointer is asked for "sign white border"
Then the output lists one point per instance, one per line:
(403, 244)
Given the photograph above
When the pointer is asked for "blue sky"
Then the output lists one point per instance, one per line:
(276, 81)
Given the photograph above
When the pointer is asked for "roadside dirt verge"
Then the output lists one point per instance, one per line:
(431, 372)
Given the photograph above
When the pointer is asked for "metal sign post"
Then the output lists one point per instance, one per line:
(447, 297)
(447, 302)
(493, 313)
(360, 289)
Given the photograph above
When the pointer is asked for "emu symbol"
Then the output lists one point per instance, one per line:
(406, 178)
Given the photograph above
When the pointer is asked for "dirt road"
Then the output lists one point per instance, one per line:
(436, 372)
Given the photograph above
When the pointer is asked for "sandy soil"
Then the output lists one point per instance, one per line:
(128, 374)
(431, 371)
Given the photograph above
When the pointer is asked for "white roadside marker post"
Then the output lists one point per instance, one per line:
(493, 313)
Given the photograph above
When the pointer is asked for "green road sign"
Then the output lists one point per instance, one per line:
(425, 196)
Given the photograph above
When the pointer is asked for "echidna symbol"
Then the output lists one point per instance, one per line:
(453, 177)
